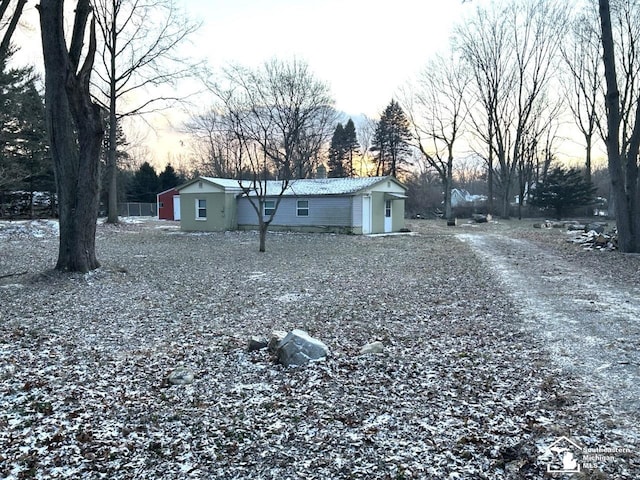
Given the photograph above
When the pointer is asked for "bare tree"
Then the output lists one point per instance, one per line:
(75, 129)
(437, 113)
(139, 40)
(215, 145)
(582, 85)
(511, 49)
(273, 112)
(365, 133)
(9, 19)
(623, 119)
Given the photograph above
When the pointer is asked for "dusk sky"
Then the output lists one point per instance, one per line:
(364, 50)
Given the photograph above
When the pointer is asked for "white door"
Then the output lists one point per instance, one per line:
(366, 215)
(388, 223)
(176, 207)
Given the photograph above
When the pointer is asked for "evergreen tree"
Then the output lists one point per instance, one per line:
(351, 145)
(123, 160)
(391, 140)
(24, 161)
(563, 189)
(145, 184)
(169, 178)
(337, 153)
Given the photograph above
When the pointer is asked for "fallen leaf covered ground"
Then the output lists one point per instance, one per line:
(460, 392)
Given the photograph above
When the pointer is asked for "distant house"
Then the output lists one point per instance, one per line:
(462, 198)
(349, 205)
(169, 205)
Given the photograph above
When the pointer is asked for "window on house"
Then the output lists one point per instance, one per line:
(302, 208)
(387, 208)
(161, 205)
(269, 207)
(201, 209)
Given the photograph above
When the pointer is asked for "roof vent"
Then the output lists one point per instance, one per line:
(321, 171)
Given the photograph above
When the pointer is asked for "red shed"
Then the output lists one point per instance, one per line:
(169, 205)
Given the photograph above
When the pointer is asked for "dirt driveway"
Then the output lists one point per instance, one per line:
(590, 324)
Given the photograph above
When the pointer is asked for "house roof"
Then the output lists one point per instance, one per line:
(332, 186)
(304, 187)
(172, 189)
(224, 183)
(326, 186)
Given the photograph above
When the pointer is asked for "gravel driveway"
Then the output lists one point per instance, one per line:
(589, 324)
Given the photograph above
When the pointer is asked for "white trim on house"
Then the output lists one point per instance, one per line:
(199, 208)
(271, 207)
(302, 209)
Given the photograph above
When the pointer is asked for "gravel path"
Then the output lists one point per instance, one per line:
(464, 389)
(591, 328)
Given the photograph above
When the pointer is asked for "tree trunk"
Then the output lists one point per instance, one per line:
(112, 168)
(75, 132)
(448, 182)
(506, 205)
(263, 236)
(625, 207)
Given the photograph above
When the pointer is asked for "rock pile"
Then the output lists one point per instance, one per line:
(592, 236)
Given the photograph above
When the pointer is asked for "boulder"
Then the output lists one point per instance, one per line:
(575, 227)
(373, 347)
(274, 340)
(180, 376)
(257, 343)
(594, 227)
(480, 218)
(298, 348)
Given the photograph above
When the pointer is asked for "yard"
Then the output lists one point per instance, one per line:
(470, 384)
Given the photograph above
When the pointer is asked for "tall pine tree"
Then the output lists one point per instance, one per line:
(391, 140)
(169, 178)
(337, 153)
(352, 147)
(24, 161)
(145, 184)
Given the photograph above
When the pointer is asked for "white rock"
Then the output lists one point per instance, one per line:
(298, 348)
(373, 347)
(180, 376)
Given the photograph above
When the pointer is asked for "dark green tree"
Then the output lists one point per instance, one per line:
(391, 140)
(352, 146)
(337, 153)
(122, 161)
(169, 178)
(24, 161)
(563, 189)
(145, 184)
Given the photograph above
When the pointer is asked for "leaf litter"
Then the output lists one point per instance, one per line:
(463, 388)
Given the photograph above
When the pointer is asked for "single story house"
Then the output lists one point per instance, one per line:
(348, 205)
(169, 205)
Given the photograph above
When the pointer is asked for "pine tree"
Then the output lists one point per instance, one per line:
(169, 178)
(145, 184)
(24, 161)
(351, 145)
(563, 189)
(337, 153)
(391, 140)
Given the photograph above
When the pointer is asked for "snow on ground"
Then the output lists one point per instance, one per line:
(462, 391)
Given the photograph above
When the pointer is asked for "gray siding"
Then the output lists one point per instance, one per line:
(323, 211)
(356, 211)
